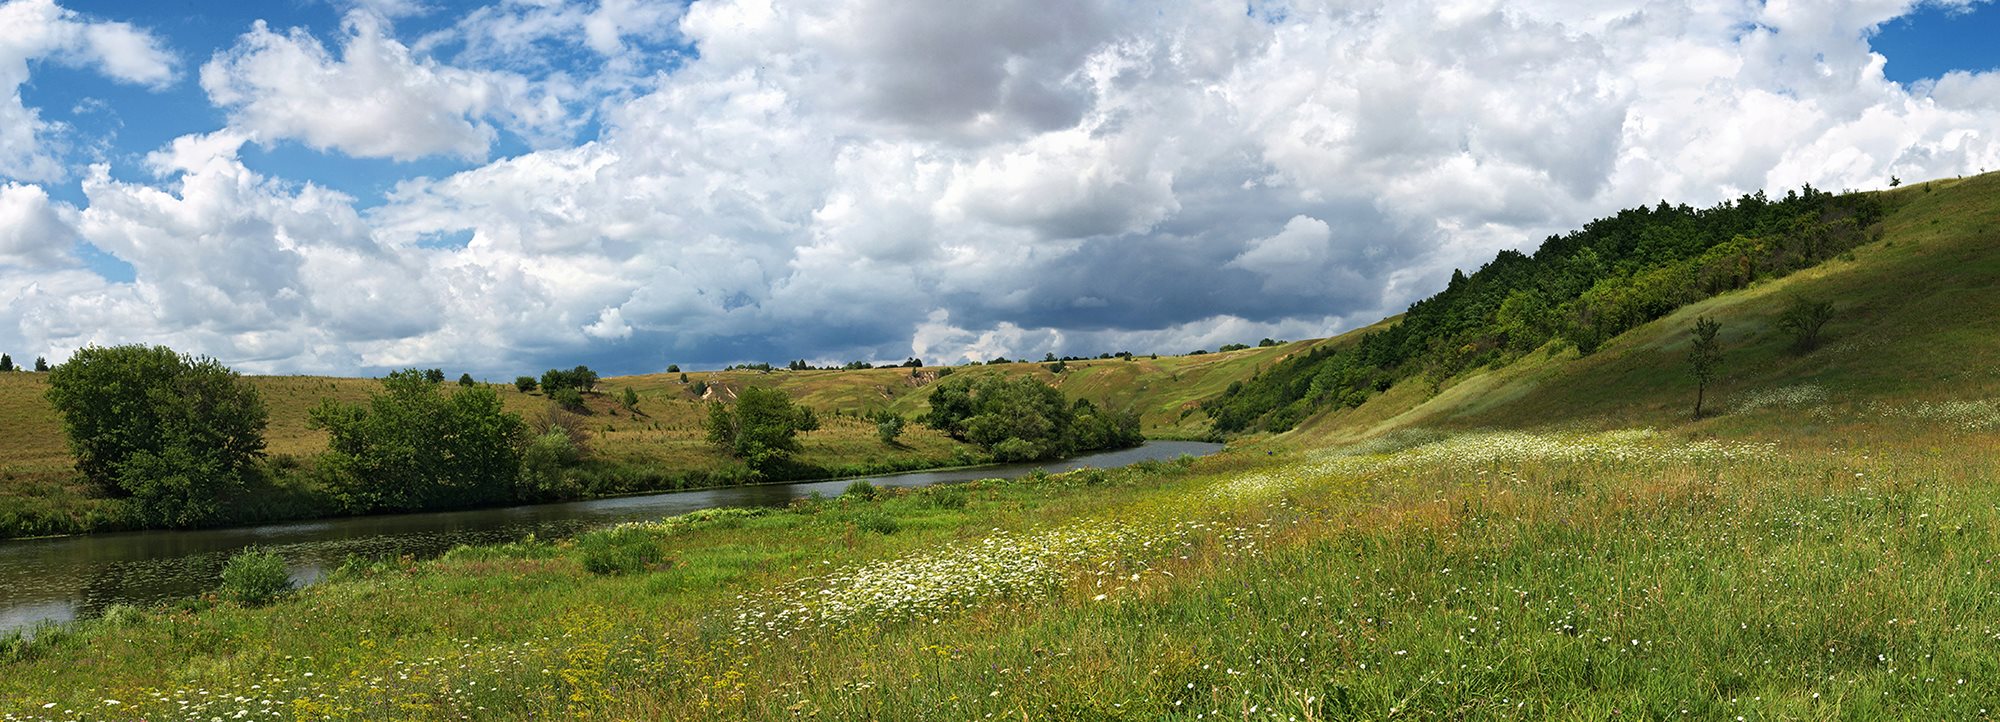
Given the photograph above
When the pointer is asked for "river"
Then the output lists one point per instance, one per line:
(64, 578)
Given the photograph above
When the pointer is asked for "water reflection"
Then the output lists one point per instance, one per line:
(64, 578)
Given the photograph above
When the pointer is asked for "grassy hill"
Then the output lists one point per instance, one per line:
(658, 444)
(1552, 537)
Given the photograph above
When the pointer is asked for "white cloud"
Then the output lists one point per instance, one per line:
(37, 30)
(33, 232)
(377, 99)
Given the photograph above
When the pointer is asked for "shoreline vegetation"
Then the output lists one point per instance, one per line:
(1444, 532)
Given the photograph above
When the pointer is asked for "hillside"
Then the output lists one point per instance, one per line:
(660, 443)
(1547, 535)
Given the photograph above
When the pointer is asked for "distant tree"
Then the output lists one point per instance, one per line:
(435, 376)
(1803, 320)
(684, 378)
(41, 365)
(179, 435)
(857, 366)
(1894, 181)
(415, 447)
(6, 363)
(999, 360)
(699, 389)
(760, 428)
(797, 365)
(580, 378)
(630, 399)
(1704, 358)
(888, 426)
(1057, 367)
(1268, 342)
(1023, 419)
(1198, 352)
(524, 384)
(673, 368)
(465, 379)
(1049, 357)
(914, 363)
(1228, 347)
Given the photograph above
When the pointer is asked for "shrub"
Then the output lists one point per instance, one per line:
(568, 398)
(465, 379)
(876, 522)
(525, 384)
(255, 577)
(888, 426)
(1802, 321)
(623, 549)
(415, 447)
(860, 489)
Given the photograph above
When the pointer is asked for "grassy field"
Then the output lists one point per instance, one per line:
(1554, 539)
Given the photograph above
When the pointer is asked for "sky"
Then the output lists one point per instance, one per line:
(354, 186)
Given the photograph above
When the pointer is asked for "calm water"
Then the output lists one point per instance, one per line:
(65, 578)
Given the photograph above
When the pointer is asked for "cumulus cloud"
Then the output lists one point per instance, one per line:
(376, 99)
(33, 232)
(38, 30)
(869, 179)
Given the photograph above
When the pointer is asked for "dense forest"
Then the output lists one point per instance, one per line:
(1578, 290)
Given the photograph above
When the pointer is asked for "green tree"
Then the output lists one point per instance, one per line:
(524, 384)
(41, 365)
(1803, 320)
(465, 379)
(888, 426)
(179, 435)
(1023, 419)
(435, 376)
(630, 399)
(415, 447)
(1704, 358)
(6, 363)
(673, 368)
(761, 428)
(568, 398)
(684, 378)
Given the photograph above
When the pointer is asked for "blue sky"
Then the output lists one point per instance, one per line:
(355, 186)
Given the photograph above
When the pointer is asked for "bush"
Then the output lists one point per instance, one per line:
(255, 577)
(876, 522)
(567, 398)
(888, 426)
(623, 549)
(860, 489)
(525, 384)
(1802, 321)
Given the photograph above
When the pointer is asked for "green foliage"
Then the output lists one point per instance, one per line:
(1802, 321)
(435, 376)
(1023, 419)
(465, 379)
(413, 447)
(1704, 357)
(888, 426)
(525, 384)
(545, 463)
(624, 549)
(6, 363)
(875, 521)
(860, 489)
(699, 389)
(760, 428)
(568, 398)
(41, 365)
(254, 577)
(629, 399)
(1582, 289)
(178, 435)
(1228, 347)
(580, 378)
(674, 369)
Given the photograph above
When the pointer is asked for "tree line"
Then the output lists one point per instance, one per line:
(1577, 290)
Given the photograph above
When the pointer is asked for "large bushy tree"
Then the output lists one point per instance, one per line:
(177, 434)
(414, 446)
(761, 428)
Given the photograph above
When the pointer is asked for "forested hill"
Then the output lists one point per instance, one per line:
(1579, 289)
